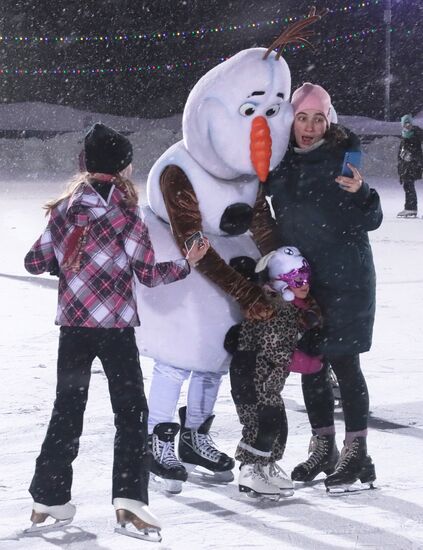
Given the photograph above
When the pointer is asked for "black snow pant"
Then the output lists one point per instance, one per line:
(410, 193)
(318, 394)
(117, 350)
(256, 387)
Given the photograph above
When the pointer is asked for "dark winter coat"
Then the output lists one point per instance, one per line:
(410, 156)
(329, 226)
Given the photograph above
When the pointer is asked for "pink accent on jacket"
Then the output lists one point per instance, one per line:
(101, 293)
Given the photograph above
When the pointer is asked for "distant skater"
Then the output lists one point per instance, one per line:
(410, 164)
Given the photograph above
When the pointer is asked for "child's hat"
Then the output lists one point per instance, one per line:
(312, 96)
(285, 265)
(406, 119)
(106, 151)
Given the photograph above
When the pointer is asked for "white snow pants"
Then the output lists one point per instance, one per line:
(165, 390)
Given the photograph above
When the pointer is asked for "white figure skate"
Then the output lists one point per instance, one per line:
(279, 478)
(63, 514)
(255, 482)
(407, 214)
(136, 520)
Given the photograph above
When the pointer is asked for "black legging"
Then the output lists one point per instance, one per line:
(318, 394)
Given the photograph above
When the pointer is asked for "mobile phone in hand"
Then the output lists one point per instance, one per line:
(351, 157)
(197, 236)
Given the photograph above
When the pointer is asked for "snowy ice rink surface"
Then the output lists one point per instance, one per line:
(207, 516)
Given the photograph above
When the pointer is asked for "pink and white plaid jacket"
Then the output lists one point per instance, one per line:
(101, 293)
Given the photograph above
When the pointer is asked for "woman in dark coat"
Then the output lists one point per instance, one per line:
(327, 216)
(410, 164)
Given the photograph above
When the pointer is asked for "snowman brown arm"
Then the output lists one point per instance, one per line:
(185, 219)
(263, 225)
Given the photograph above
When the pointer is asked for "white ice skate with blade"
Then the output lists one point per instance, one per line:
(279, 478)
(136, 520)
(62, 514)
(255, 482)
(407, 214)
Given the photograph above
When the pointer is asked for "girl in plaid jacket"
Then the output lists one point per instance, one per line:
(96, 241)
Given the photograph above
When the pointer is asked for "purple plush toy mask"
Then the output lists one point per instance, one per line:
(297, 278)
(287, 269)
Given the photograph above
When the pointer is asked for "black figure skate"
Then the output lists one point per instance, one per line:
(354, 464)
(323, 457)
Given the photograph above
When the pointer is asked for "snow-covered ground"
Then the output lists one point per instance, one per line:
(206, 516)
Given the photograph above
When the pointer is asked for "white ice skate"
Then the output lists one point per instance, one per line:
(62, 514)
(407, 214)
(136, 520)
(255, 482)
(279, 478)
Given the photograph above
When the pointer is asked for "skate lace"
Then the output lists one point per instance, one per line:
(167, 454)
(257, 472)
(318, 453)
(276, 471)
(206, 447)
(347, 454)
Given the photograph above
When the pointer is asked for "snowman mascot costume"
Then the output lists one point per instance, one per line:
(236, 127)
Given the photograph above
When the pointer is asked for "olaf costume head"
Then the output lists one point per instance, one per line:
(285, 265)
(232, 109)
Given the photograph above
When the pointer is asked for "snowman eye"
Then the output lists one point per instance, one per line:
(247, 109)
(273, 110)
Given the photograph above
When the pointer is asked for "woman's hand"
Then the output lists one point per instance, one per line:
(197, 251)
(351, 185)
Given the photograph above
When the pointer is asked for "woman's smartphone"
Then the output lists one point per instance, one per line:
(351, 157)
(197, 236)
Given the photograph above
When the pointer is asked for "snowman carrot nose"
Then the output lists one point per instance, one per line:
(260, 147)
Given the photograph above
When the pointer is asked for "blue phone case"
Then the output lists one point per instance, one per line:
(354, 158)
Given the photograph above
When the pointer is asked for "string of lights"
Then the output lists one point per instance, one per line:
(170, 66)
(157, 36)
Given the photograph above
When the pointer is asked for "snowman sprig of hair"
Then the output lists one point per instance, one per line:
(282, 263)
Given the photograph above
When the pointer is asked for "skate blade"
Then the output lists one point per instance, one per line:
(250, 493)
(286, 493)
(172, 486)
(150, 534)
(37, 528)
(218, 477)
(339, 490)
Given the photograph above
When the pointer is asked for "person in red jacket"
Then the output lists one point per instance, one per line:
(96, 241)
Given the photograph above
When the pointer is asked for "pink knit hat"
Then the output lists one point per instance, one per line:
(311, 96)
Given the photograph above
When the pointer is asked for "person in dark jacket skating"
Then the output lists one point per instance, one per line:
(410, 164)
(328, 216)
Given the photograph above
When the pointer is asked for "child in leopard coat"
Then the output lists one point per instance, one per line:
(263, 354)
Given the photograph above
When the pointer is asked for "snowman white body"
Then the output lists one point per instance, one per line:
(184, 324)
